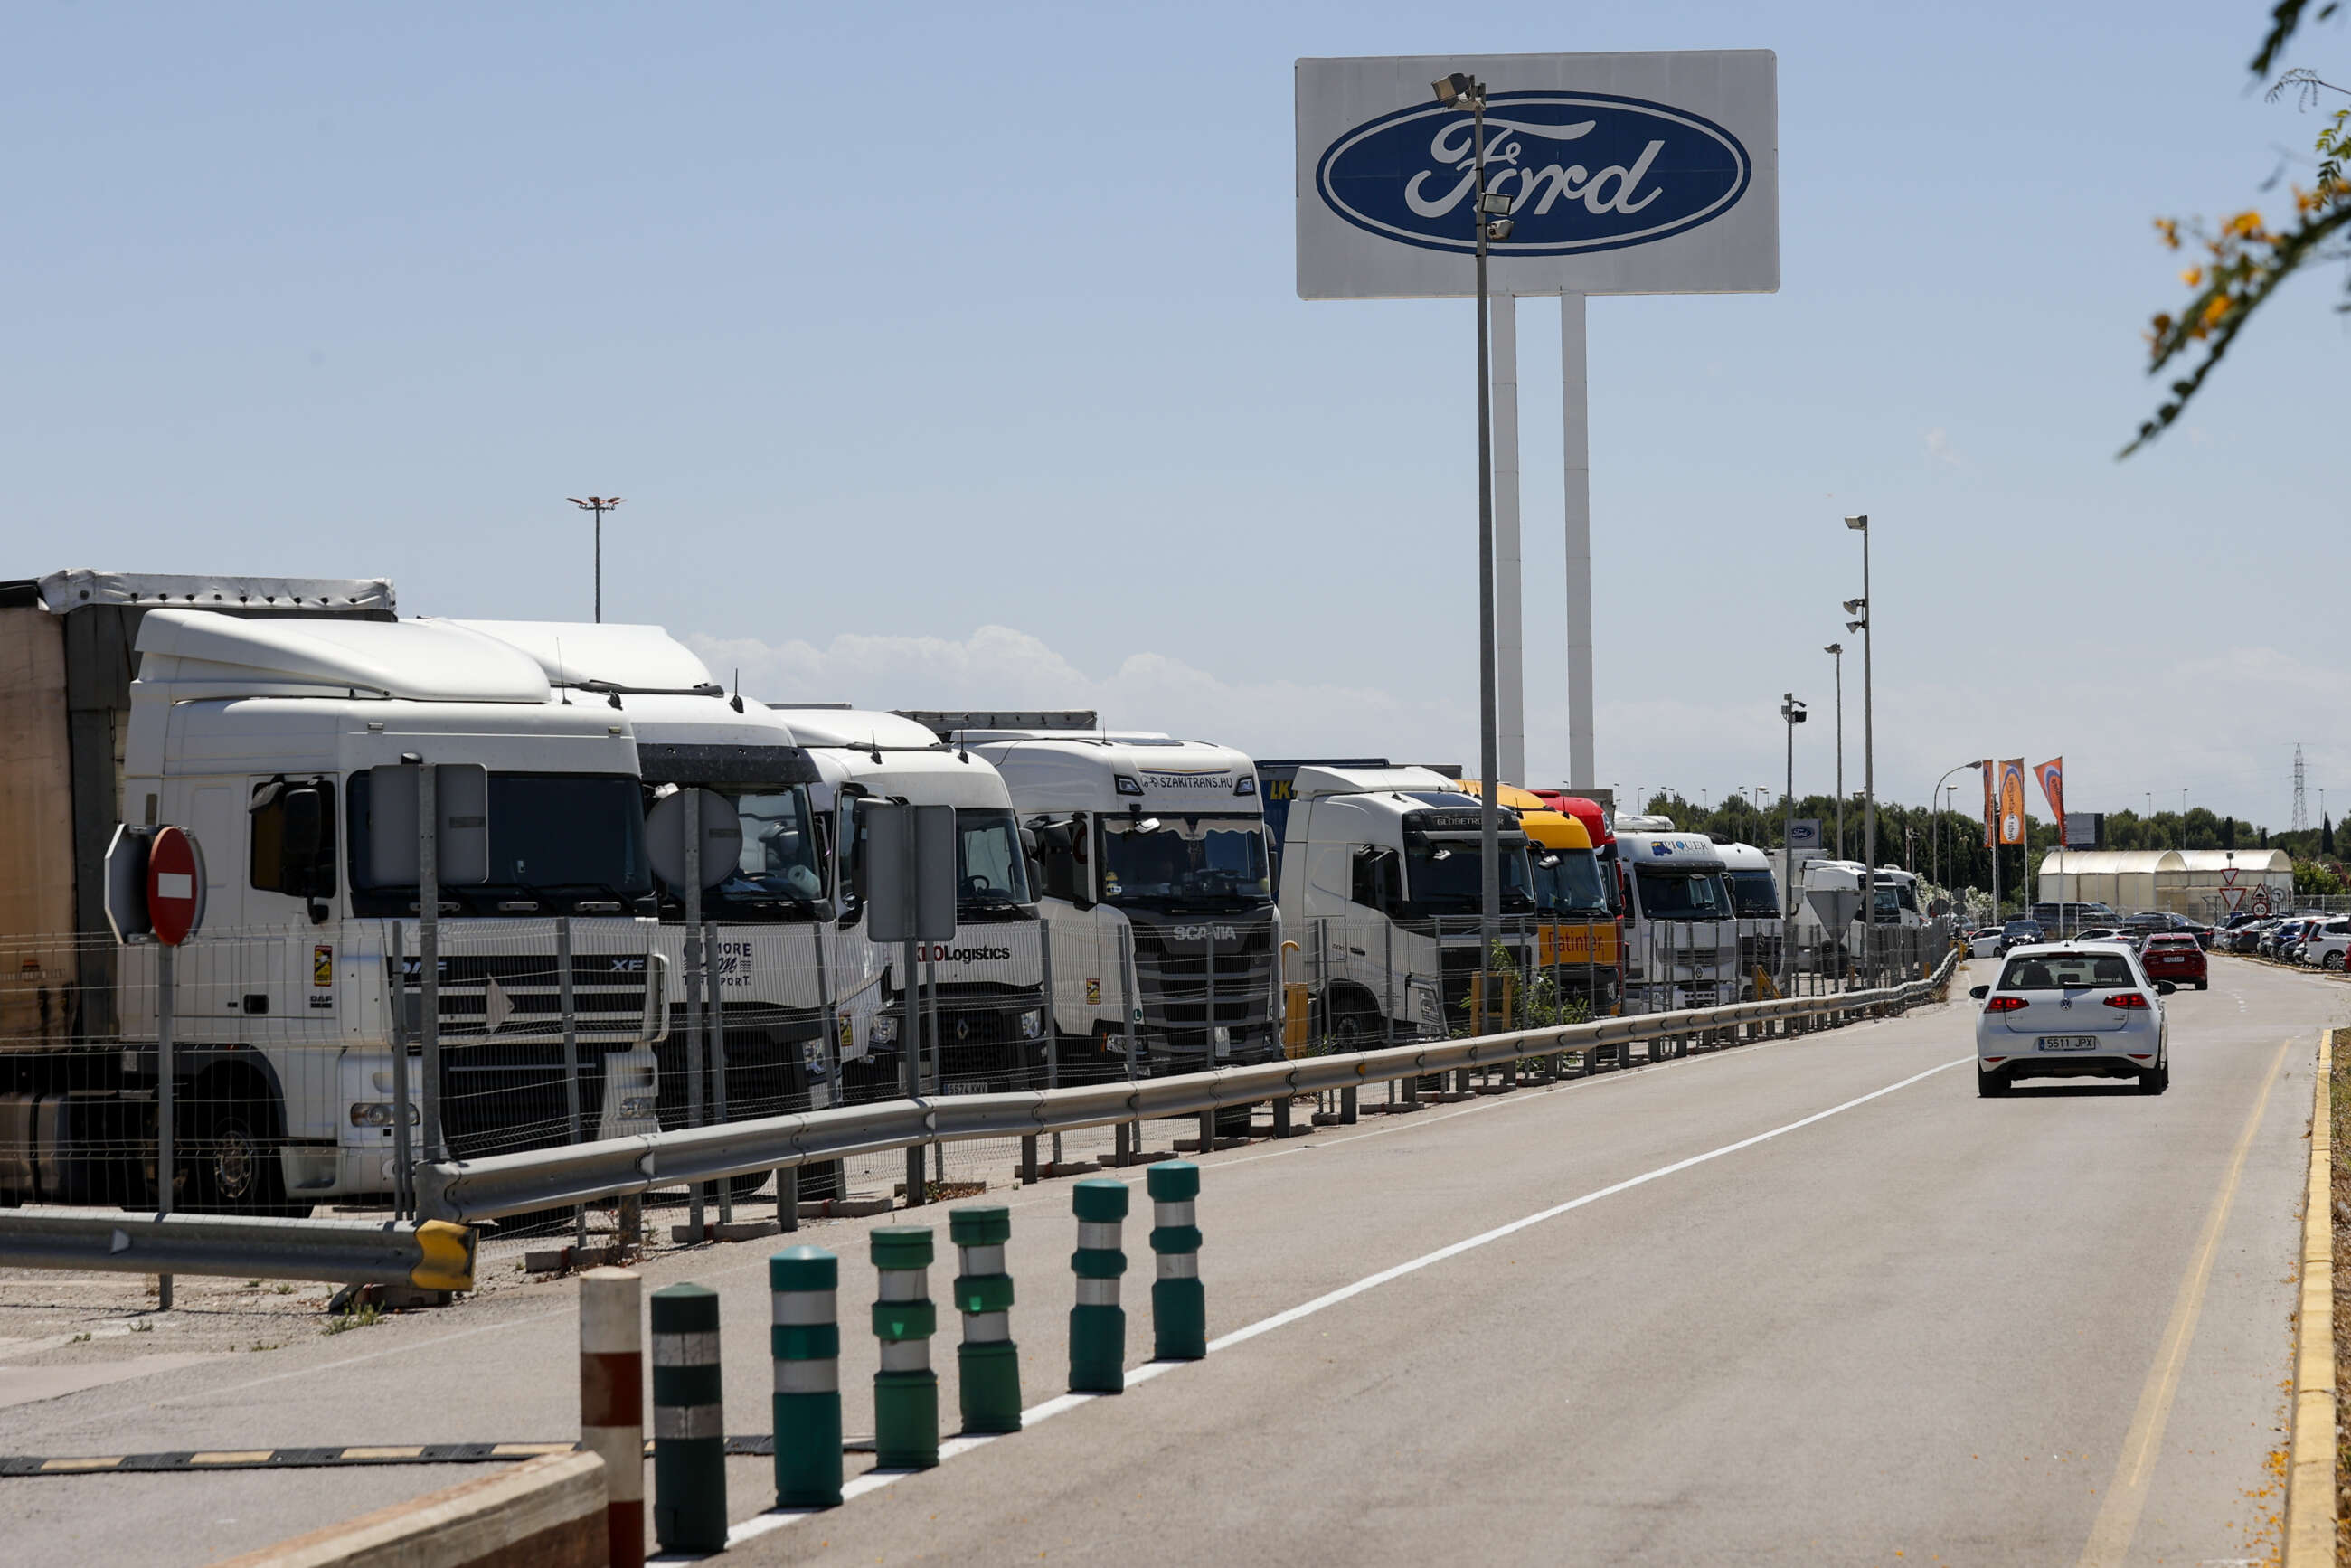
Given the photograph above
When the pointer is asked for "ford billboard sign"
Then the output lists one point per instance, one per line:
(1581, 172)
(1625, 174)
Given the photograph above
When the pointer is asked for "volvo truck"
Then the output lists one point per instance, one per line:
(1155, 889)
(1380, 892)
(281, 722)
(1762, 935)
(1681, 928)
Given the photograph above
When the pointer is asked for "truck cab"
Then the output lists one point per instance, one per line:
(1762, 922)
(1577, 951)
(988, 980)
(1681, 928)
(1156, 891)
(1380, 892)
(768, 916)
(282, 745)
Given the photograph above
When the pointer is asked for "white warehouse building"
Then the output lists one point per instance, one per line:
(2203, 884)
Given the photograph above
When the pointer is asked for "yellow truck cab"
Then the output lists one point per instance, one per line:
(1577, 938)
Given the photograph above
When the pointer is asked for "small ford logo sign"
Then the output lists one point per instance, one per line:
(1584, 171)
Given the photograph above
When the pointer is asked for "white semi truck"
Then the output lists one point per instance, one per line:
(1681, 927)
(987, 982)
(271, 719)
(1762, 923)
(771, 968)
(1380, 892)
(1154, 888)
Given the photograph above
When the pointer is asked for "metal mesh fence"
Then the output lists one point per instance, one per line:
(303, 1079)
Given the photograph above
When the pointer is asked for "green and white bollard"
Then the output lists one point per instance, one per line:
(1180, 1311)
(689, 1422)
(988, 1361)
(906, 1391)
(805, 1339)
(1098, 1323)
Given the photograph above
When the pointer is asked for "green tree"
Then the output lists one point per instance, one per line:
(2246, 257)
(2317, 880)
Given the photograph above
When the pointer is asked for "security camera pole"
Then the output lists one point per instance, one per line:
(1487, 212)
(599, 505)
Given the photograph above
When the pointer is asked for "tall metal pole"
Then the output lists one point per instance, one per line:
(599, 505)
(1788, 850)
(1836, 651)
(1490, 847)
(1868, 751)
(428, 951)
(691, 951)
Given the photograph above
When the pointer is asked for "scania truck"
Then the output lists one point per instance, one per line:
(279, 722)
(1379, 891)
(1156, 891)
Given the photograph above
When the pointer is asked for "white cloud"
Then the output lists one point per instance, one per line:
(1000, 667)
(1939, 448)
(2223, 723)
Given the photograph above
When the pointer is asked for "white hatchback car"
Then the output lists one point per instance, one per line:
(2066, 1009)
(1984, 944)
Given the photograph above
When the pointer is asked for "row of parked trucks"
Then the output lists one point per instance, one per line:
(1126, 902)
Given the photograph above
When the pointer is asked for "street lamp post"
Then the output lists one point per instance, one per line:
(1861, 609)
(1487, 213)
(1792, 712)
(599, 505)
(1836, 651)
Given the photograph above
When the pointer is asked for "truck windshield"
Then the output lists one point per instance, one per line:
(1444, 878)
(991, 870)
(1755, 894)
(1193, 862)
(778, 876)
(1568, 881)
(572, 837)
(1675, 895)
(1895, 897)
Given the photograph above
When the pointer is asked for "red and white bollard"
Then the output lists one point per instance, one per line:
(612, 1402)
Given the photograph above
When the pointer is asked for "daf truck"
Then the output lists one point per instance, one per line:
(1155, 889)
(281, 722)
(1380, 892)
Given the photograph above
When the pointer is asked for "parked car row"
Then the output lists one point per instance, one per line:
(2319, 940)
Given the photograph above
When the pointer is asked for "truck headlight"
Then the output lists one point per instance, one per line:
(883, 1030)
(813, 1058)
(637, 1108)
(1033, 1024)
(376, 1113)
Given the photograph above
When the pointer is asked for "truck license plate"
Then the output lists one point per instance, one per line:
(2069, 1042)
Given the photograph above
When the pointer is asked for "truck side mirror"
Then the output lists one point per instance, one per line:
(305, 825)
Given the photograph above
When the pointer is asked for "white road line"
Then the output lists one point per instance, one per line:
(873, 1481)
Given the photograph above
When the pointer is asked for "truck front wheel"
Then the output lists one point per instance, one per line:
(232, 1164)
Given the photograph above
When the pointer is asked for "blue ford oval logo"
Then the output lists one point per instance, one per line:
(1584, 172)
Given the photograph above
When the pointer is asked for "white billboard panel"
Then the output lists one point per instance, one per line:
(1629, 173)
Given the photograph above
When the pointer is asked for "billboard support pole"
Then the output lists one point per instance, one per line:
(1509, 651)
(1576, 423)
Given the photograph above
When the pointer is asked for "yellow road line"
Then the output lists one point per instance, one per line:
(2118, 1521)
(2310, 1484)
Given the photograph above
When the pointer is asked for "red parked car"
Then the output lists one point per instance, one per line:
(2175, 956)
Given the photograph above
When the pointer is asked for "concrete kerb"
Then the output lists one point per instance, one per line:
(546, 1514)
(2309, 1497)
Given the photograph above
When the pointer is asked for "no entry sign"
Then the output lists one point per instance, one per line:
(175, 885)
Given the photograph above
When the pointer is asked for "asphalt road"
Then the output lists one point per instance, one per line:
(1810, 1301)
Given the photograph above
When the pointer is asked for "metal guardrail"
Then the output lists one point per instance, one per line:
(432, 1255)
(470, 1191)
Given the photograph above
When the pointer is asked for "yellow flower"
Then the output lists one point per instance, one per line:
(2216, 309)
(2192, 276)
(2248, 224)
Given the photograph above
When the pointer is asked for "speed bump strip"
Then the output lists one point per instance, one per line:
(756, 1446)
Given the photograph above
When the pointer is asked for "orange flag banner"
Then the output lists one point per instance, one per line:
(2012, 801)
(2052, 789)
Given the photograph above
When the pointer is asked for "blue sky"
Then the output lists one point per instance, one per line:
(949, 358)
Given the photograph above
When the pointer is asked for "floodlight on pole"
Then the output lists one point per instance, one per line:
(1836, 651)
(1793, 713)
(599, 505)
(1860, 607)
